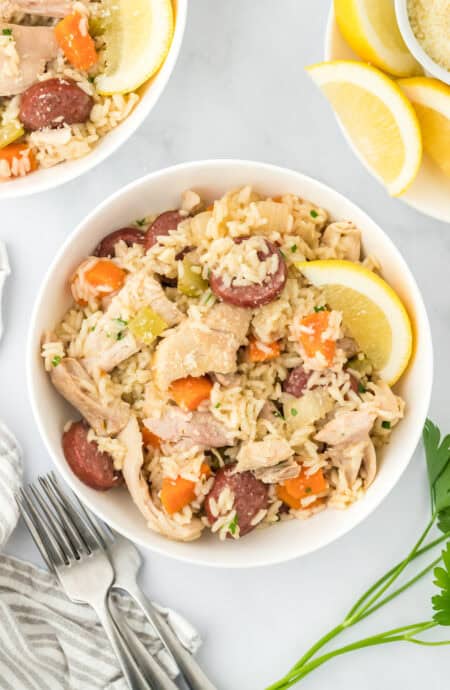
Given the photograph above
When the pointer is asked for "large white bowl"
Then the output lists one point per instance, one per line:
(158, 192)
(45, 179)
(430, 191)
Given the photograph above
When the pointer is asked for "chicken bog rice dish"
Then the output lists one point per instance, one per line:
(57, 99)
(211, 378)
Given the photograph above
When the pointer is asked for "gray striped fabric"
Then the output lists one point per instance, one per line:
(10, 482)
(49, 643)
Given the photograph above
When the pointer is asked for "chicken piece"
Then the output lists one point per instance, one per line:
(191, 428)
(196, 347)
(105, 352)
(346, 428)
(344, 239)
(226, 380)
(35, 46)
(260, 454)
(385, 404)
(349, 346)
(46, 8)
(139, 490)
(355, 459)
(73, 382)
(288, 469)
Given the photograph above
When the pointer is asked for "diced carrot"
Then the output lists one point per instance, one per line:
(261, 352)
(313, 326)
(14, 152)
(210, 207)
(73, 38)
(106, 276)
(277, 199)
(292, 491)
(190, 391)
(179, 492)
(149, 438)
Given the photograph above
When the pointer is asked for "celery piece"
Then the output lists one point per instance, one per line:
(190, 282)
(147, 325)
(9, 132)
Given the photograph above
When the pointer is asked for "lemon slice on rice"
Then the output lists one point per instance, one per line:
(372, 312)
(371, 30)
(137, 34)
(377, 117)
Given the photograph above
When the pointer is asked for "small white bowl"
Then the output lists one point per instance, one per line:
(415, 47)
(156, 193)
(44, 179)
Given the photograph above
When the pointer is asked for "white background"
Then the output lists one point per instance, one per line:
(240, 90)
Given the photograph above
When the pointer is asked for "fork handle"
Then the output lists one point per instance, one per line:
(130, 670)
(190, 669)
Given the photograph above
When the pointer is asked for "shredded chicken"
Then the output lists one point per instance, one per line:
(255, 455)
(46, 8)
(347, 427)
(35, 46)
(384, 403)
(353, 459)
(139, 490)
(288, 469)
(104, 351)
(345, 239)
(71, 379)
(192, 428)
(196, 347)
(349, 346)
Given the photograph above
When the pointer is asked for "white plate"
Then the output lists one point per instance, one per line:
(156, 193)
(430, 192)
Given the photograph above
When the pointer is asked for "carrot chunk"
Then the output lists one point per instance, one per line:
(313, 327)
(106, 276)
(73, 38)
(179, 492)
(292, 491)
(149, 438)
(190, 391)
(17, 152)
(261, 352)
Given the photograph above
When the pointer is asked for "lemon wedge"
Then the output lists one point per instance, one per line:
(137, 34)
(371, 30)
(431, 101)
(371, 311)
(377, 117)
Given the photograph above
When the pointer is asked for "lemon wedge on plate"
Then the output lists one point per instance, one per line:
(431, 101)
(137, 34)
(377, 117)
(372, 312)
(371, 30)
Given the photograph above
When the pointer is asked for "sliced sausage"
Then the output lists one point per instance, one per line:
(92, 467)
(296, 382)
(128, 235)
(162, 225)
(53, 103)
(251, 296)
(250, 496)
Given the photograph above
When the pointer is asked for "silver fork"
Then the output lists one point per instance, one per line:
(127, 561)
(76, 556)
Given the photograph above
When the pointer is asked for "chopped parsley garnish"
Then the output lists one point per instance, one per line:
(317, 309)
(308, 490)
(294, 248)
(7, 32)
(91, 330)
(294, 412)
(313, 213)
(217, 405)
(386, 425)
(141, 222)
(233, 525)
(120, 322)
(282, 253)
(91, 79)
(56, 360)
(120, 335)
(361, 388)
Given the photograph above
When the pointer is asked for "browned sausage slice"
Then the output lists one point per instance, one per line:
(128, 235)
(250, 496)
(251, 296)
(162, 225)
(296, 382)
(53, 103)
(92, 467)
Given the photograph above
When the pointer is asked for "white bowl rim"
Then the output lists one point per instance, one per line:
(71, 170)
(414, 45)
(65, 471)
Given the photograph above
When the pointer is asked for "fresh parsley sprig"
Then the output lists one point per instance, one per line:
(437, 454)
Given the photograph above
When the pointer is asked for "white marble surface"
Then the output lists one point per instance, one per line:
(239, 90)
